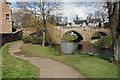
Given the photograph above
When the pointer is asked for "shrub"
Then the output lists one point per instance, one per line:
(106, 41)
(26, 39)
(37, 39)
(29, 39)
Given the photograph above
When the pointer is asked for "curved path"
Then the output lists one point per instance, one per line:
(47, 68)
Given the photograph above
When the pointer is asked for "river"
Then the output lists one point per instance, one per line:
(70, 47)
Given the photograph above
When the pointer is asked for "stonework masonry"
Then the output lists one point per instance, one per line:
(56, 33)
(0, 15)
(85, 32)
(6, 24)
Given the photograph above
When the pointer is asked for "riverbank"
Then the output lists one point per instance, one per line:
(90, 66)
(13, 67)
(105, 42)
(68, 37)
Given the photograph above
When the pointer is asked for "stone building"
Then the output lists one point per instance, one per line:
(87, 23)
(6, 17)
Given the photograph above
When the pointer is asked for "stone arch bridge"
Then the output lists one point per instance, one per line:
(83, 33)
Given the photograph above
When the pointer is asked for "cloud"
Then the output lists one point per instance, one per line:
(81, 9)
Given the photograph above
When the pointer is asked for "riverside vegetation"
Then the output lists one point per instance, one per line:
(68, 37)
(105, 41)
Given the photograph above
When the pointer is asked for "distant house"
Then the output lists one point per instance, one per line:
(6, 14)
(87, 23)
(95, 22)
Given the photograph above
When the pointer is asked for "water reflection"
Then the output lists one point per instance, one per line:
(70, 47)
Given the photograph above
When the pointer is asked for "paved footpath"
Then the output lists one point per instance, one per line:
(47, 68)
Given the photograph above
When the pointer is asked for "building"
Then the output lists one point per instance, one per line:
(78, 23)
(6, 15)
(94, 22)
(87, 23)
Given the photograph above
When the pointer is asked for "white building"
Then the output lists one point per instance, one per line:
(87, 23)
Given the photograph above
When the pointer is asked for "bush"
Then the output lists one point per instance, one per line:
(36, 39)
(29, 39)
(26, 39)
(106, 41)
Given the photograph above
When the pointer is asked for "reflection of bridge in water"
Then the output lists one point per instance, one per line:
(83, 33)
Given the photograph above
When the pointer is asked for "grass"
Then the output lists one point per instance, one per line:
(95, 35)
(13, 67)
(90, 66)
(68, 37)
(105, 41)
(39, 51)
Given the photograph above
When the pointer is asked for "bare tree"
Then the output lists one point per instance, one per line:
(103, 16)
(17, 17)
(41, 11)
(97, 14)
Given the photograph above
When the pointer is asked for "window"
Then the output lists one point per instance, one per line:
(7, 16)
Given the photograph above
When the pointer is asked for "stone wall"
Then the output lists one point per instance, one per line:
(5, 38)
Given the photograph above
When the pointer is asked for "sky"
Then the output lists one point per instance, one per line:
(81, 9)
(71, 9)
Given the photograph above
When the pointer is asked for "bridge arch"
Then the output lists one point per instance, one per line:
(80, 36)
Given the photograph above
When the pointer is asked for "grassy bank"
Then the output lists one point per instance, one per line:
(95, 35)
(104, 42)
(13, 67)
(68, 37)
(90, 66)
(38, 51)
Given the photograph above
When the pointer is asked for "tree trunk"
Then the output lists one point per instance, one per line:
(44, 31)
(44, 24)
(113, 20)
(115, 32)
(43, 43)
(118, 32)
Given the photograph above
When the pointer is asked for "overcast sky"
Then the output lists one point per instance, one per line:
(71, 9)
(81, 9)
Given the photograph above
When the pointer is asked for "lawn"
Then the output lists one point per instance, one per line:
(90, 66)
(38, 51)
(13, 67)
